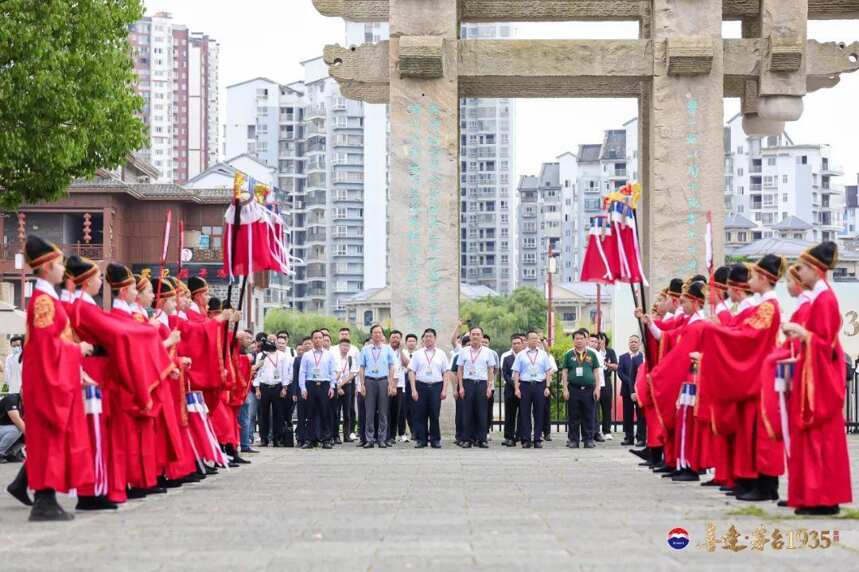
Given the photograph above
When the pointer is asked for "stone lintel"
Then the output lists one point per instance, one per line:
(689, 56)
(785, 54)
(488, 68)
(421, 57)
(570, 10)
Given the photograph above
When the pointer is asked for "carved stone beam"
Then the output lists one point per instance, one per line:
(689, 56)
(421, 57)
(570, 10)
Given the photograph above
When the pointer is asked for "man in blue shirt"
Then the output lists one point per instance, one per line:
(475, 368)
(317, 379)
(378, 382)
(532, 370)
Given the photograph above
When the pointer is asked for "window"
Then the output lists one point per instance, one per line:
(529, 273)
(530, 258)
(569, 316)
(740, 171)
(530, 242)
(771, 161)
(784, 179)
(784, 197)
(741, 236)
(368, 318)
(740, 150)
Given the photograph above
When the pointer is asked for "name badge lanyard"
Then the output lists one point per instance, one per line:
(473, 359)
(317, 370)
(276, 373)
(533, 369)
(429, 361)
(376, 353)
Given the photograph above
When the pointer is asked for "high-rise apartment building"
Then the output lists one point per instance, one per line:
(781, 186)
(177, 76)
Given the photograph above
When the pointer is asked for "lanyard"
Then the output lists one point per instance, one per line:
(580, 359)
(428, 358)
(473, 357)
(528, 355)
(318, 361)
(377, 353)
(275, 362)
(345, 365)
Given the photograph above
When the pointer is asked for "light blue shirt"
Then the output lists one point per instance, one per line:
(377, 361)
(532, 365)
(317, 365)
(475, 365)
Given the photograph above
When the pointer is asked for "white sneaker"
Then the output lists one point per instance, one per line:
(608, 436)
(406, 439)
(353, 436)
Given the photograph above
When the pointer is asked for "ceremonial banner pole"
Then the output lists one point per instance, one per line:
(164, 246)
(234, 236)
(709, 256)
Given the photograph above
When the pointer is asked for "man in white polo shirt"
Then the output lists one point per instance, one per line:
(476, 367)
(427, 370)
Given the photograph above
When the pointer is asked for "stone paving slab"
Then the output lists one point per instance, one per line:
(407, 509)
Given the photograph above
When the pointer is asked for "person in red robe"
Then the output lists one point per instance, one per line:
(142, 462)
(819, 466)
(169, 449)
(719, 291)
(58, 448)
(672, 387)
(732, 359)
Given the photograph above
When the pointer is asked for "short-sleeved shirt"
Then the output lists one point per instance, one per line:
(429, 365)
(532, 365)
(581, 367)
(475, 364)
(316, 366)
(377, 361)
(10, 402)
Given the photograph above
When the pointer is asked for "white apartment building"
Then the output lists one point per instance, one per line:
(177, 76)
(782, 187)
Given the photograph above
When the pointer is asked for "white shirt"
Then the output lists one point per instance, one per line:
(399, 370)
(44, 286)
(819, 287)
(745, 303)
(343, 367)
(12, 373)
(122, 305)
(276, 369)
(475, 364)
(429, 365)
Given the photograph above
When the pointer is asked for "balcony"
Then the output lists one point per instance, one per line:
(755, 168)
(207, 254)
(91, 251)
(314, 112)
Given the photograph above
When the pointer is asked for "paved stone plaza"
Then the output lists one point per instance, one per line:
(451, 509)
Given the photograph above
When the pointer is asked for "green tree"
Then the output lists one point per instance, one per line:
(301, 324)
(502, 316)
(67, 104)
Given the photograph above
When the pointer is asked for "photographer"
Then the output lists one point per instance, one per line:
(273, 372)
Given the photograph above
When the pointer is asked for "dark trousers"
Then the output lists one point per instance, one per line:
(459, 423)
(474, 410)
(547, 416)
(490, 411)
(632, 418)
(302, 431)
(270, 413)
(511, 411)
(397, 414)
(606, 398)
(362, 420)
(640, 425)
(427, 411)
(318, 411)
(334, 414)
(533, 403)
(346, 404)
(580, 413)
(288, 410)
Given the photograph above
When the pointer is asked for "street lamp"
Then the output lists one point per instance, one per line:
(551, 269)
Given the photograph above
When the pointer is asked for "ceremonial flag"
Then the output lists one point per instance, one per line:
(259, 237)
(596, 266)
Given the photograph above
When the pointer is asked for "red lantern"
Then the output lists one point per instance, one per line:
(87, 228)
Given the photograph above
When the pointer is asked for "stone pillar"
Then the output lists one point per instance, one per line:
(685, 138)
(424, 168)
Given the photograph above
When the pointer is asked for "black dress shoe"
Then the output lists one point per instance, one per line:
(263, 443)
(307, 445)
(348, 440)
(686, 476)
(436, 445)
(383, 445)
(599, 438)
(327, 445)
(211, 470)
(95, 503)
(626, 442)
(156, 490)
(645, 464)
(169, 483)
(663, 469)
(573, 444)
(233, 465)
(526, 444)
(725, 489)
(420, 445)
(756, 494)
(390, 442)
(369, 445)
(589, 445)
(337, 441)
(483, 445)
(250, 450)
(672, 474)
(240, 460)
(466, 445)
(538, 445)
(46, 509)
(135, 493)
(782, 503)
(639, 444)
(711, 483)
(641, 453)
(547, 437)
(818, 510)
(18, 488)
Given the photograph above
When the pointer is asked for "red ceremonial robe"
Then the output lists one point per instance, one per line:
(126, 375)
(819, 466)
(668, 377)
(731, 362)
(58, 449)
(202, 341)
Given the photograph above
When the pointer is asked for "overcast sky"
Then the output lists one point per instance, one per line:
(270, 37)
